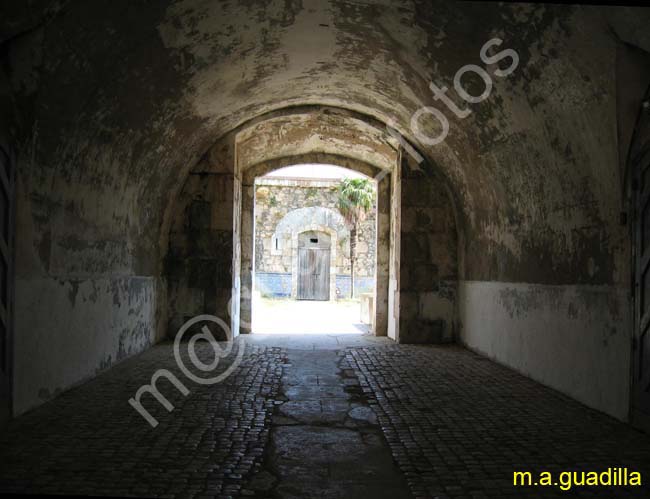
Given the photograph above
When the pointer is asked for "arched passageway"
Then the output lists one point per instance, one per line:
(509, 146)
(428, 239)
(97, 194)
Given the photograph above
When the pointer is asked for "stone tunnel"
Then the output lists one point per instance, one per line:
(509, 143)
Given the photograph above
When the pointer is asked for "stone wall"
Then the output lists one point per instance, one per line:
(198, 265)
(284, 206)
(429, 269)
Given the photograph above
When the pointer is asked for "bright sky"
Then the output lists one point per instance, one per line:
(314, 171)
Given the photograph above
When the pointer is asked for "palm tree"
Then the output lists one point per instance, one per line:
(356, 197)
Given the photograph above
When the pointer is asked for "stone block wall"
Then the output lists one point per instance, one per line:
(429, 269)
(198, 265)
(277, 202)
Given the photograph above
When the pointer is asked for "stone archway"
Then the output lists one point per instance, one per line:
(317, 135)
(417, 262)
(301, 220)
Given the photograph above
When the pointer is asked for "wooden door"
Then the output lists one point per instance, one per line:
(314, 266)
(7, 172)
(313, 274)
(641, 342)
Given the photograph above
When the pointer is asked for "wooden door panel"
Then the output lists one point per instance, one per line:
(321, 277)
(313, 273)
(303, 274)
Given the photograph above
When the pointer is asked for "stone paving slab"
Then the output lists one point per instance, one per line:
(325, 440)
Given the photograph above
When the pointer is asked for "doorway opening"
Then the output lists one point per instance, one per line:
(314, 263)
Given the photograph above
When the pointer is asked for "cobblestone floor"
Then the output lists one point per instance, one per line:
(458, 426)
(90, 441)
(318, 416)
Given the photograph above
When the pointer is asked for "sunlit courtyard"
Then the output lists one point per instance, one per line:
(285, 316)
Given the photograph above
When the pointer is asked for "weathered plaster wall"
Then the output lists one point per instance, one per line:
(72, 329)
(80, 306)
(537, 121)
(573, 338)
(87, 287)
